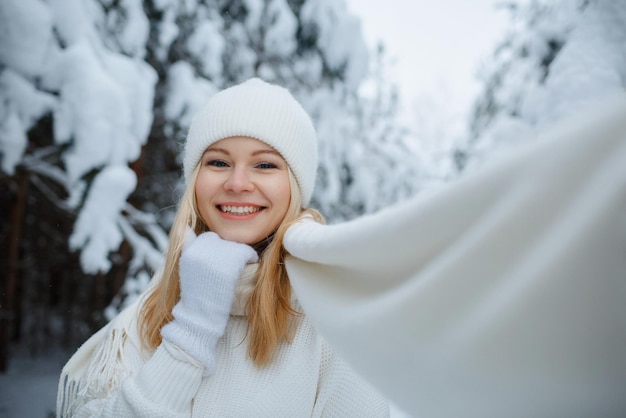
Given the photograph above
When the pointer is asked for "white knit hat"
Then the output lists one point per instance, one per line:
(263, 111)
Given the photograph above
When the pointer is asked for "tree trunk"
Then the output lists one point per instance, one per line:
(9, 303)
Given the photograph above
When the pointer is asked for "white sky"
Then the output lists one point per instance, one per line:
(437, 45)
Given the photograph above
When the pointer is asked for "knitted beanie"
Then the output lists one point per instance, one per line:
(263, 111)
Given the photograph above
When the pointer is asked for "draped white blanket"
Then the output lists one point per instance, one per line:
(501, 295)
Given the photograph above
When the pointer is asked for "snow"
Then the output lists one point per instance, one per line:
(186, 93)
(25, 35)
(12, 138)
(167, 28)
(93, 113)
(590, 66)
(206, 44)
(131, 27)
(21, 106)
(280, 38)
(136, 79)
(31, 104)
(96, 230)
(165, 4)
(340, 38)
(29, 388)
(75, 20)
(243, 57)
(530, 95)
(309, 69)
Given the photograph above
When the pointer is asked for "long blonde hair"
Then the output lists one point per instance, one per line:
(269, 311)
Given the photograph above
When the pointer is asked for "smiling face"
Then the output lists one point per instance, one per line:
(242, 189)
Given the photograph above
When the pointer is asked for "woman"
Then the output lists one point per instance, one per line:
(219, 333)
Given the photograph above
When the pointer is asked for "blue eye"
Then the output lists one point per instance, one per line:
(266, 166)
(217, 163)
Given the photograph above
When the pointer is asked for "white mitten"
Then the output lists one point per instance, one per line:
(209, 269)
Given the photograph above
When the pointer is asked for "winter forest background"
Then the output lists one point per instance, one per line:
(96, 97)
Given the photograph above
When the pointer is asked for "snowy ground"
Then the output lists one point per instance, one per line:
(28, 389)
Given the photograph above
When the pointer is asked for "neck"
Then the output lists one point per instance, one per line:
(260, 246)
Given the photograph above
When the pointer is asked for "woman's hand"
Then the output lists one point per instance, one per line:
(209, 268)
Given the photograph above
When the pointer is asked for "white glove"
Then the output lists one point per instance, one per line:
(209, 269)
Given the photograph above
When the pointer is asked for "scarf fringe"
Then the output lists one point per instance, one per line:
(103, 376)
(68, 390)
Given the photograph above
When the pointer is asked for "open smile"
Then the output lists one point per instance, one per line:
(236, 210)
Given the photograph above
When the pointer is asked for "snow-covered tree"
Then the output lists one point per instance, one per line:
(559, 57)
(76, 103)
(363, 164)
(95, 100)
(315, 49)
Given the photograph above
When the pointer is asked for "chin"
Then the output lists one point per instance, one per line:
(242, 238)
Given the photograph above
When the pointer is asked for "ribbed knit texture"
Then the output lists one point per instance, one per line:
(165, 367)
(263, 111)
(306, 379)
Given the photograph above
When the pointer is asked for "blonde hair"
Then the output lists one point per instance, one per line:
(269, 311)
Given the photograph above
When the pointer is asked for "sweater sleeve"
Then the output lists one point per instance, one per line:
(118, 383)
(342, 393)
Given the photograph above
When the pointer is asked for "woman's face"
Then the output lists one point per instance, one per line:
(242, 189)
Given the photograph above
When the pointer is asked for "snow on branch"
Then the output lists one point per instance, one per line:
(97, 231)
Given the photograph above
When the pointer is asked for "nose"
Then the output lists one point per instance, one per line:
(239, 181)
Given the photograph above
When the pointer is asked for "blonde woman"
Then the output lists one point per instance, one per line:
(219, 333)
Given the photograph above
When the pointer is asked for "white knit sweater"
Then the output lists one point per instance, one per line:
(110, 376)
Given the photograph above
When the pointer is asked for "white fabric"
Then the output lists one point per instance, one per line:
(209, 270)
(110, 376)
(263, 111)
(502, 295)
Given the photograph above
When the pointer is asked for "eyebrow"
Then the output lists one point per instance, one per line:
(254, 154)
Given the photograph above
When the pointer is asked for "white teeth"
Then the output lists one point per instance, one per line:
(240, 210)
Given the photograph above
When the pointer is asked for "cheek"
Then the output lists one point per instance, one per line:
(205, 190)
(205, 185)
(281, 192)
(282, 195)
(199, 194)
